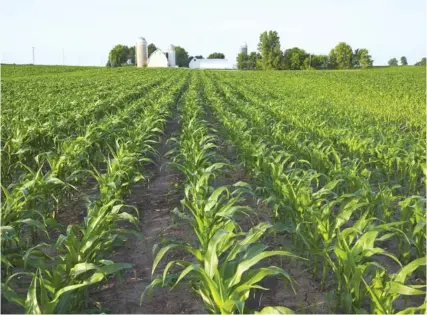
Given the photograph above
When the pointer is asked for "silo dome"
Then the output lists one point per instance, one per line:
(142, 40)
(171, 47)
(141, 51)
(244, 49)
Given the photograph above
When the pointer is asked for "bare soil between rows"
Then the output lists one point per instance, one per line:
(155, 202)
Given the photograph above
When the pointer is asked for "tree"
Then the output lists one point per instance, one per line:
(118, 55)
(319, 62)
(403, 61)
(341, 56)
(269, 48)
(181, 57)
(362, 58)
(249, 62)
(422, 62)
(254, 61)
(151, 48)
(393, 62)
(242, 61)
(216, 55)
(293, 59)
(132, 54)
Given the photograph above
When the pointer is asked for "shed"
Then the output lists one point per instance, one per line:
(209, 64)
(158, 59)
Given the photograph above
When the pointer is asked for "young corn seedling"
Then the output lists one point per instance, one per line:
(385, 289)
(225, 274)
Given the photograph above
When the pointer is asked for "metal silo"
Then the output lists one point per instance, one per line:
(171, 56)
(141, 52)
(244, 49)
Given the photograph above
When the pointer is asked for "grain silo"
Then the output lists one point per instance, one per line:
(171, 56)
(141, 52)
(244, 49)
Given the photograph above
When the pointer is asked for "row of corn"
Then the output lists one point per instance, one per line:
(58, 275)
(337, 229)
(224, 260)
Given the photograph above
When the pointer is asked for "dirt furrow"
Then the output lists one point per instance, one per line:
(154, 202)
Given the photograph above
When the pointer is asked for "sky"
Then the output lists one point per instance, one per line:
(83, 32)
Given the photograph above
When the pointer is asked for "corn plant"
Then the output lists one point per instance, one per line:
(385, 289)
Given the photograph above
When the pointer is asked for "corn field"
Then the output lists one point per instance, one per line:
(280, 177)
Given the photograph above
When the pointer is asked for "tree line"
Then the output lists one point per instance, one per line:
(269, 56)
(404, 62)
(119, 56)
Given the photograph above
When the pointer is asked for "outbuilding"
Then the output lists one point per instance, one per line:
(209, 64)
(160, 59)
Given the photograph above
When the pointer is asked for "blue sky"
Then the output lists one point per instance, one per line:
(87, 30)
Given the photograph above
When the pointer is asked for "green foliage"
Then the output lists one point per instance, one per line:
(269, 48)
(293, 59)
(339, 157)
(362, 59)
(403, 61)
(324, 195)
(393, 62)
(422, 62)
(249, 62)
(119, 134)
(319, 62)
(216, 55)
(222, 268)
(118, 55)
(181, 57)
(341, 56)
(151, 48)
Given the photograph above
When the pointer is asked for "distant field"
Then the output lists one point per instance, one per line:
(246, 180)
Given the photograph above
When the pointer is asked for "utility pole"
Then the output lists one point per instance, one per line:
(33, 55)
(63, 57)
(309, 66)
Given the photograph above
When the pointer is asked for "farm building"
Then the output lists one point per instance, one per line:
(161, 59)
(157, 59)
(209, 64)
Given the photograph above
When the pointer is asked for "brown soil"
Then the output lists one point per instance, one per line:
(154, 201)
(307, 298)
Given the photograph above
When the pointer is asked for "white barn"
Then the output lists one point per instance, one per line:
(160, 59)
(209, 64)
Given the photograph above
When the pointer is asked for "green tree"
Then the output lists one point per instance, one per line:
(242, 61)
(341, 56)
(319, 62)
(356, 58)
(403, 61)
(362, 58)
(393, 62)
(255, 61)
(151, 48)
(216, 55)
(132, 54)
(118, 55)
(181, 57)
(293, 59)
(269, 48)
(422, 62)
